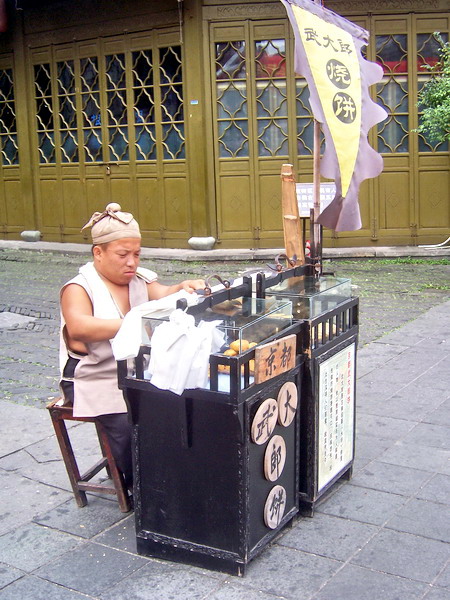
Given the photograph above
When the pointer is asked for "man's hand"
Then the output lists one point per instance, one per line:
(190, 285)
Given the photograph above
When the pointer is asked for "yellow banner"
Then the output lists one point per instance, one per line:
(334, 65)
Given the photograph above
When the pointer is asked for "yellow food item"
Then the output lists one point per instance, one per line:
(223, 368)
(240, 347)
(230, 352)
(252, 344)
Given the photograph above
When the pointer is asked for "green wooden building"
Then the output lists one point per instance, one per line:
(184, 111)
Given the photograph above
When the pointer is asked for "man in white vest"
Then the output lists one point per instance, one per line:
(93, 305)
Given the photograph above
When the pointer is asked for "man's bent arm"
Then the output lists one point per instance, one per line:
(81, 325)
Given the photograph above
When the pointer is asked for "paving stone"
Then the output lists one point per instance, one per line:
(441, 414)
(26, 425)
(443, 579)
(31, 546)
(83, 438)
(34, 588)
(361, 504)
(86, 522)
(375, 356)
(410, 403)
(13, 320)
(328, 536)
(368, 389)
(121, 536)
(289, 573)
(437, 594)
(403, 554)
(91, 569)
(356, 583)
(437, 489)
(234, 591)
(370, 446)
(426, 434)
(421, 457)
(383, 427)
(22, 499)
(164, 581)
(428, 519)
(8, 574)
(391, 478)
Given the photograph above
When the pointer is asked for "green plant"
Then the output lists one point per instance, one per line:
(434, 97)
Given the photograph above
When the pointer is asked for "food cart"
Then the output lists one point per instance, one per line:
(217, 468)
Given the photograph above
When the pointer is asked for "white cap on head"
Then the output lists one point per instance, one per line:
(112, 224)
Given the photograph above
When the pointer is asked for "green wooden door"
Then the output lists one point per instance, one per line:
(110, 128)
(261, 119)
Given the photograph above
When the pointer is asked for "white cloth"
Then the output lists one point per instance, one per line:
(180, 352)
(128, 339)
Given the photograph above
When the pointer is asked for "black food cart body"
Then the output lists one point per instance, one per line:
(216, 472)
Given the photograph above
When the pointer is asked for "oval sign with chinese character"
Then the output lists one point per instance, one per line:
(264, 421)
(274, 458)
(275, 506)
(287, 403)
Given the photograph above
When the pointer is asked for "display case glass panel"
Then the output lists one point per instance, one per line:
(312, 296)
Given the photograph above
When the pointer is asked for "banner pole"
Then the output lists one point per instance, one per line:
(316, 243)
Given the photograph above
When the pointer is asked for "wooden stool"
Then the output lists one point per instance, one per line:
(59, 414)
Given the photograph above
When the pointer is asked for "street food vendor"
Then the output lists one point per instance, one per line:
(93, 305)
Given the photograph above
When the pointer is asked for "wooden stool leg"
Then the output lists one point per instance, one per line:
(69, 458)
(116, 476)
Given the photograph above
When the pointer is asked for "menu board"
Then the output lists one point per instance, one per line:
(336, 414)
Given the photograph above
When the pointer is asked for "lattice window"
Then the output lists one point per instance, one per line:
(90, 106)
(67, 111)
(116, 94)
(231, 98)
(144, 105)
(172, 106)
(271, 97)
(427, 54)
(305, 122)
(44, 113)
(8, 125)
(392, 93)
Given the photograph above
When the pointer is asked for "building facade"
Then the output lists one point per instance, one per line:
(184, 111)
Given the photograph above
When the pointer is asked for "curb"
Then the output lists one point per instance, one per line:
(240, 254)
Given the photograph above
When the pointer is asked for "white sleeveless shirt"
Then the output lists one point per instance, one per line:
(95, 379)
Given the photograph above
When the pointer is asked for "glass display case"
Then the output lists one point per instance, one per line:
(245, 322)
(312, 296)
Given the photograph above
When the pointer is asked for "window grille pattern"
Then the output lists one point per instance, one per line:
(305, 122)
(44, 113)
(91, 110)
(144, 105)
(67, 111)
(427, 54)
(231, 99)
(271, 97)
(116, 108)
(392, 93)
(8, 126)
(172, 107)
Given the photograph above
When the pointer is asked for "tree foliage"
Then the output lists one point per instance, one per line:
(434, 97)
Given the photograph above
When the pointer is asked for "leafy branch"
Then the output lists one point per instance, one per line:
(434, 97)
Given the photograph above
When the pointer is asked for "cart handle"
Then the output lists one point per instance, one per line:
(226, 284)
(279, 267)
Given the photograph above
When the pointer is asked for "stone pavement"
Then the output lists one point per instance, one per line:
(381, 536)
